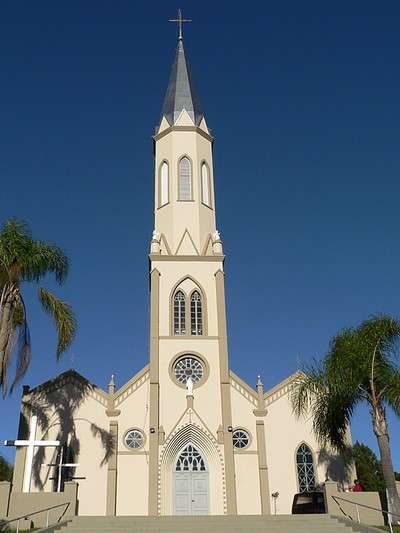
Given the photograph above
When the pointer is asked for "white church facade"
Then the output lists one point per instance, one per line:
(185, 435)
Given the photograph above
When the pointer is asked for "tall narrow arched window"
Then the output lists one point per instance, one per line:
(205, 185)
(185, 179)
(196, 314)
(179, 313)
(164, 184)
(305, 468)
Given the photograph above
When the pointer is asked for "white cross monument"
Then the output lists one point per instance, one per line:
(30, 444)
(60, 465)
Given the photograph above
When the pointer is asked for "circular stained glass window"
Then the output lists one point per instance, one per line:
(134, 439)
(241, 438)
(187, 367)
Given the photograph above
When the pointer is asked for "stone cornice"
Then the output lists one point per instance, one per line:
(280, 389)
(183, 128)
(130, 386)
(244, 389)
(200, 258)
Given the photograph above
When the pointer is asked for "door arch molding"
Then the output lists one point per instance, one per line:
(209, 449)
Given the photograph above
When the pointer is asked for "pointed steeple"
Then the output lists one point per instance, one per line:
(180, 92)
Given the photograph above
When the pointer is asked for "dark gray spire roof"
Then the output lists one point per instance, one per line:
(180, 92)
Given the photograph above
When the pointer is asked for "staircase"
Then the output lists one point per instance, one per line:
(210, 524)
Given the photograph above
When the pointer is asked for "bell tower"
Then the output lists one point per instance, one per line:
(187, 297)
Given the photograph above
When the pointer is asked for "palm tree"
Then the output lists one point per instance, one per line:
(24, 259)
(360, 367)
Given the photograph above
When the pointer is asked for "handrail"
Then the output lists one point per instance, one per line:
(4, 523)
(388, 513)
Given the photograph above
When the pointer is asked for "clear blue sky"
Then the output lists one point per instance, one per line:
(303, 99)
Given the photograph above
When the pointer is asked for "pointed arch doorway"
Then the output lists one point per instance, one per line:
(190, 483)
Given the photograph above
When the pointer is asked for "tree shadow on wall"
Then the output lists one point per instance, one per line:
(338, 467)
(55, 404)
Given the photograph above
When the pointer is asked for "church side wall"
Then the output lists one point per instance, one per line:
(84, 424)
(132, 465)
(284, 434)
(246, 461)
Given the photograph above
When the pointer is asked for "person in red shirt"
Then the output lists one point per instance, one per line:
(357, 486)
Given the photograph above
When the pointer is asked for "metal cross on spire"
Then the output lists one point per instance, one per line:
(180, 20)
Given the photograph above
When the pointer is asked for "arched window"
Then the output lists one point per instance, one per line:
(164, 184)
(196, 317)
(179, 313)
(305, 468)
(190, 460)
(185, 179)
(205, 185)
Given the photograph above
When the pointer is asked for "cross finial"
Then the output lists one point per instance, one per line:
(180, 20)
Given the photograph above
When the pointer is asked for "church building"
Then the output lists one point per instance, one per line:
(185, 435)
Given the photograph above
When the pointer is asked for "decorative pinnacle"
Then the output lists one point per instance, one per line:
(180, 20)
(259, 382)
(111, 385)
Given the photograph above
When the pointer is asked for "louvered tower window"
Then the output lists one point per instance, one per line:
(196, 316)
(179, 313)
(305, 468)
(205, 185)
(185, 179)
(164, 184)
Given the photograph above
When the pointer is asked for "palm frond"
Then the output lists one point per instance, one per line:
(27, 259)
(24, 353)
(44, 259)
(329, 399)
(63, 317)
(392, 391)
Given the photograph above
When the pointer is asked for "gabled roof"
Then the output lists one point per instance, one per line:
(180, 93)
(73, 377)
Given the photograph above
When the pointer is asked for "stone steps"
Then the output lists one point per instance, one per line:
(209, 524)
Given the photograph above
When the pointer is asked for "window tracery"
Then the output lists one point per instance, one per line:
(188, 366)
(179, 313)
(196, 314)
(190, 460)
(240, 438)
(305, 468)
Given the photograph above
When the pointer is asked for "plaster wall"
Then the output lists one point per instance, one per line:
(247, 483)
(243, 417)
(132, 484)
(134, 413)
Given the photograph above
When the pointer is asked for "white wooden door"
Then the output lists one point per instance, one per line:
(191, 493)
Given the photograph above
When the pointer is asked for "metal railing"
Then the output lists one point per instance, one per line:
(388, 513)
(5, 523)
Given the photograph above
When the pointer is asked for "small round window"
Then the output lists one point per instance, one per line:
(134, 439)
(241, 439)
(187, 367)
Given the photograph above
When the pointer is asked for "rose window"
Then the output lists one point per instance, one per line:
(134, 439)
(240, 438)
(188, 367)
